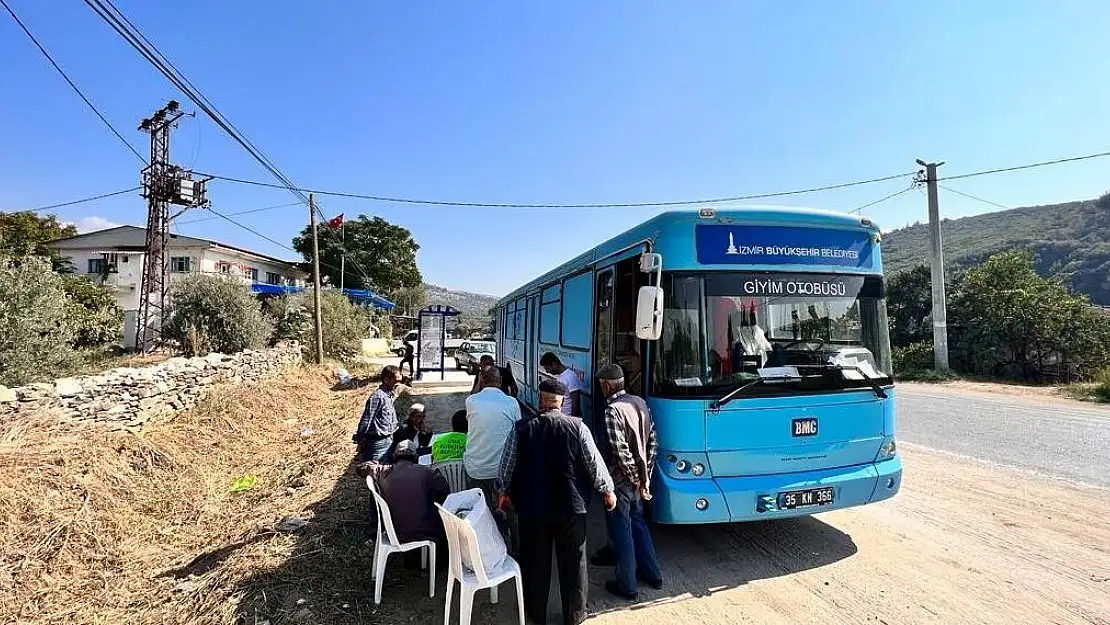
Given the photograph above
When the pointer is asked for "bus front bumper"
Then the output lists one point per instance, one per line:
(754, 498)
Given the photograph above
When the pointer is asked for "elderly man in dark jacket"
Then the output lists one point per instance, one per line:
(549, 470)
(410, 490)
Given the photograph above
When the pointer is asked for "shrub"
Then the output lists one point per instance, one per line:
(913, 357)
(345, 324)
(36, 335)
(1098, 389)
(92, 312)
(927, 375)
(215, 313)
(1101, 390)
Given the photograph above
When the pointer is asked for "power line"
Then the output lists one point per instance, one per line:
(260, 235)
(71, 203)
(72, 85)
(972, 197)
(757, 196)
(246, 212)
(858, 209)
(404, 200)
(1027, 166)
(251, 230)
(134, 37)
(123, 26)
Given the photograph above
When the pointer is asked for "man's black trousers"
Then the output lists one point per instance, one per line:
(568, 536)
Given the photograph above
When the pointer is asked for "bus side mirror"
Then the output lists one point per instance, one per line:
(649, 313)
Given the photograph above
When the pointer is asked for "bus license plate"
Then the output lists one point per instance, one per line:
(802, 498)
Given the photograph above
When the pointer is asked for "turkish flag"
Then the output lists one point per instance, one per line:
(338, 221)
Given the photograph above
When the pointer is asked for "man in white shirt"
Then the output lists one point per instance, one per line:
(491, 416)
(572, 400)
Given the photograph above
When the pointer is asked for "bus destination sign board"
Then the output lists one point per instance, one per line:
(782, 245)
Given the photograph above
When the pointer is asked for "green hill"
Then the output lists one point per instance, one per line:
(1071, 241)
(473, 306)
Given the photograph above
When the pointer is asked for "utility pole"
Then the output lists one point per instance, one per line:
(163, 184)
(940, 312)
(316, 279)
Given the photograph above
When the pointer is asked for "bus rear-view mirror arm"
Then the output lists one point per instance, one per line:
(649, 301)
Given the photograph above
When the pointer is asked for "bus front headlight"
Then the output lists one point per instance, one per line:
(698, 469)
(682, 465)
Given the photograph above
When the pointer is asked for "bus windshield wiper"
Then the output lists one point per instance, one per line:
(771, 378)
(875, 386)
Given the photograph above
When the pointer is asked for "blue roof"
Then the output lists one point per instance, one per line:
(358, 295)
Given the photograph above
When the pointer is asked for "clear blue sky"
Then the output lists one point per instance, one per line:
(566, 102)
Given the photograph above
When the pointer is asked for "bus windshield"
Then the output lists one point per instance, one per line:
(720, 328)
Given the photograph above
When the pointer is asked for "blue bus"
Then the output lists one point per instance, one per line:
(758, 337)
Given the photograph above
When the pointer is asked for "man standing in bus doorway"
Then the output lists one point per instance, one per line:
(630, 457)
(555, 367)
(549, 467)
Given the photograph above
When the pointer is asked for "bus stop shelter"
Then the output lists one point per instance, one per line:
(431, 346)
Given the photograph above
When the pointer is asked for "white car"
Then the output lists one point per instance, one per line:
(470, 352)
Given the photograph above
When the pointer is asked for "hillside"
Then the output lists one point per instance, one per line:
(1071, 242)
(473, 306)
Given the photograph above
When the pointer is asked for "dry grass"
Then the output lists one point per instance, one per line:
(99, 527)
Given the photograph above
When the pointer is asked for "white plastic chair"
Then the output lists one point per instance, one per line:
(454, 472)
(461, 536)
(386, 543)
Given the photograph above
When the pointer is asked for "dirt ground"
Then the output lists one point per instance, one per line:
(962, 543)
(1055, 393)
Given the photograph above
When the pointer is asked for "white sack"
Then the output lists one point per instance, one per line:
(470, 506)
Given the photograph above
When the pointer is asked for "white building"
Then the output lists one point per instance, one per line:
(115, 257)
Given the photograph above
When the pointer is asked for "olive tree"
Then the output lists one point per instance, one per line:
(35, 340)
(215, 313)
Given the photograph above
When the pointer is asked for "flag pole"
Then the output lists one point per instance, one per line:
(342, 254)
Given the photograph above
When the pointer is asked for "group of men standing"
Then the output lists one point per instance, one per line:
(550, 469)
(540, 473)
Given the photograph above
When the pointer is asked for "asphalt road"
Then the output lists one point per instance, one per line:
(1052, 437)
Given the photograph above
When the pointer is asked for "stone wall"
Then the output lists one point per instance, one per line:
(128, 397)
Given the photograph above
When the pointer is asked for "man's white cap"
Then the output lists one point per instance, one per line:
(417, 408)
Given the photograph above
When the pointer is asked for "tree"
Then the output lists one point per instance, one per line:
(909, 304)
(410, 299)
(35, 341)
(215, 313)
(92, 313)
(380, 256)
(1008, 321)
(26, 234)
(345, 325)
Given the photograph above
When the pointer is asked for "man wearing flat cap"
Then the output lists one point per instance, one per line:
(549, 469)
(630, 457)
